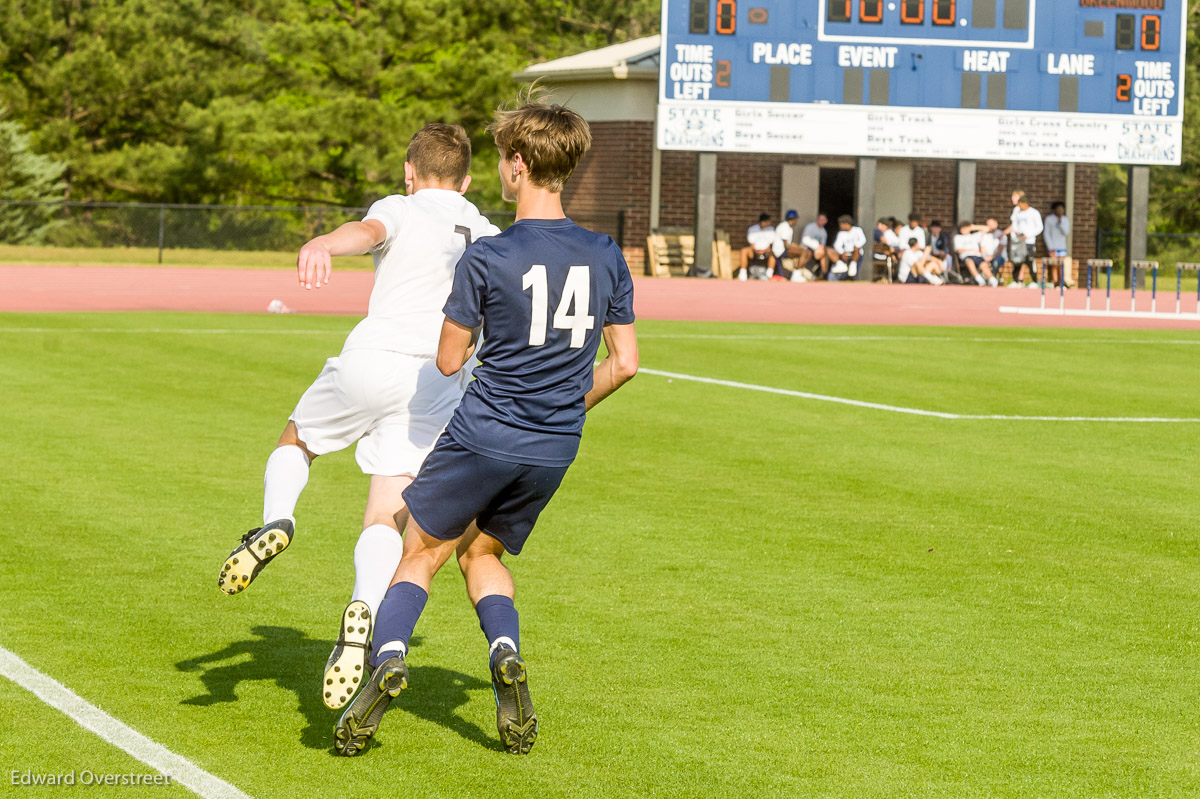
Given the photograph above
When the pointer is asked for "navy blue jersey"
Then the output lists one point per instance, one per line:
(543, 290)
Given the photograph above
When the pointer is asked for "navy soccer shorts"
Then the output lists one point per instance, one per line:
(457, 486)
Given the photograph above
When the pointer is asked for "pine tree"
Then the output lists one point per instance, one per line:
(25, 176)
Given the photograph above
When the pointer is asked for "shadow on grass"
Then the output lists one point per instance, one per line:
(295, 662)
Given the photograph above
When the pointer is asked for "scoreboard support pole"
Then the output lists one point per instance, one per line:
(1137, 223)
(706, 213)
(864, 212)
(965, 206)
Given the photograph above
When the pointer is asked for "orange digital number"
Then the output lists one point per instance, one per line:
(870, 10)
(724, 71)
(944, 12)
(839, 11)
(1124, 82)
(1151, 29)
(912, 12)
(726, 17)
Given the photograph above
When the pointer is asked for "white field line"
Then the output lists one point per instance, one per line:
(913, 411)
(199, 331)
(90, 717)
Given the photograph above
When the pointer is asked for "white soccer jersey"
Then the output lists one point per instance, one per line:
(427, 233)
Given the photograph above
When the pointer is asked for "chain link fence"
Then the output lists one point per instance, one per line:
(172, 226)
(1166, 248)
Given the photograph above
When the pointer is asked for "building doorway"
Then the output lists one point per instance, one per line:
(835, 196)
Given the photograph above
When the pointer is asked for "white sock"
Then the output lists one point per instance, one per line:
(285, 478)
(741, 274)
(392, 646)
(376, 556)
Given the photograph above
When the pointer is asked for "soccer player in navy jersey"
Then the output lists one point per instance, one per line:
(544, 292)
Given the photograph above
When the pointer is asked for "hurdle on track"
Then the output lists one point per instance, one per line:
(1096, 266)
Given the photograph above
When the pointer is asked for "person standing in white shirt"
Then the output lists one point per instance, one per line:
(1058, 228)
(1024, 228)
(384, 391)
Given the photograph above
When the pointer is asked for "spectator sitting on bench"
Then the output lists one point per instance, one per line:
(913, 230)
(813, 239)
(916, 265)
(941, 245)
(886, 234)
(967, 244)
(756, 255)
(993, 245)
(848, 247)
(782, 247)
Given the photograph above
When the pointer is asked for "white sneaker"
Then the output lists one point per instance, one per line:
(934, 280)
(1034, 286)
(797, 276)
(1016, 284)
(993, 282)
(742, 274)
(979, 280)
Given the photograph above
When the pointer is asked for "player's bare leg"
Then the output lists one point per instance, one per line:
(376, 557)
(285, 478)
(490, 587)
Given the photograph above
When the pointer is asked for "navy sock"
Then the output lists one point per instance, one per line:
(397, 617)
(498, 619)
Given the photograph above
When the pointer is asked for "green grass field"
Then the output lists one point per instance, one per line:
(734, 593)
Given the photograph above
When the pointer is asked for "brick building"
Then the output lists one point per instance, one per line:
(626, 186)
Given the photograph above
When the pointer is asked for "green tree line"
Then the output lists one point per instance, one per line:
(272, 101)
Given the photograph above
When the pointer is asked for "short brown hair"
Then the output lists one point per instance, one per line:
(440, 152)
(549, 137)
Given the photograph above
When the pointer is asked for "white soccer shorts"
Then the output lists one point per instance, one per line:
(395, 406)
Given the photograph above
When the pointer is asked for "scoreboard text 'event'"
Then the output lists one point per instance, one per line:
(1030, 80)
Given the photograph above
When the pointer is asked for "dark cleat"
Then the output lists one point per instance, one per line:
(361, 719)
(515, 719)
(347, 664)
(257, 549)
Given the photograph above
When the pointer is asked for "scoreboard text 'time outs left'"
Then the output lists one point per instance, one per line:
(1040, 80)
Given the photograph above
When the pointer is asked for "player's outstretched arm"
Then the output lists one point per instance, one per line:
(618, 367)
(314, 263)
(455, 346)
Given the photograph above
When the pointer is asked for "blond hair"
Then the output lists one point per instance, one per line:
(551, 139)
(441, 153)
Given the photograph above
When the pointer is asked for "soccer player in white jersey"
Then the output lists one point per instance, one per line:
(384, 391)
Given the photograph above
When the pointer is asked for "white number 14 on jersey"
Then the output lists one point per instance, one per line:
(577, 290)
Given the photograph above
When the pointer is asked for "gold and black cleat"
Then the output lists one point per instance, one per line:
(361, 718)
(257, 549)
(347, 664)
(515, 719)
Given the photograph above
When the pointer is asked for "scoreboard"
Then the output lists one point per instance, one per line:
(1031, 80)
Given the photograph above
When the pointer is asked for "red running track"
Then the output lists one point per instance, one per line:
(94, 288)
